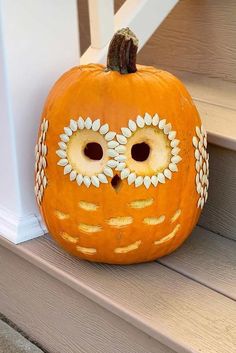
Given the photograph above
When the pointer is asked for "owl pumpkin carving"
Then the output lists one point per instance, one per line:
(121, 162)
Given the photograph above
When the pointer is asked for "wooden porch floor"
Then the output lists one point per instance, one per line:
(182, 303)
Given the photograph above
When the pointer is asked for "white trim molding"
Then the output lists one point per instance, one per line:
(101, 19)
(18, 229)
(142, 16)
(38, 42)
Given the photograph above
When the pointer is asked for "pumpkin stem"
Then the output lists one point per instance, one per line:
(122, 52)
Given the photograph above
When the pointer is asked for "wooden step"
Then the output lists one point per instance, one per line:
(208, 259)
(181, 304)
(219, 213)
(197, 36)
(216, 103)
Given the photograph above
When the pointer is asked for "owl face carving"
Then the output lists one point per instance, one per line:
(146, 152)
(122, 180)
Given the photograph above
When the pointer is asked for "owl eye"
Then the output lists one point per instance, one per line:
(148, 151)
(86, 148)
(140, 151)
(94, 151)
(87, 152)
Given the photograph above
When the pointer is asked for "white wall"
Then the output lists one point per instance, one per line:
(38, 42)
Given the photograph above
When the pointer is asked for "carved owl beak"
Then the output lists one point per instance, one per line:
(115, 182)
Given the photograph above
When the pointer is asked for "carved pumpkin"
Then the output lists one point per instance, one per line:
(121, 161)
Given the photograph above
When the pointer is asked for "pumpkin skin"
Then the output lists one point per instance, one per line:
(171, 209)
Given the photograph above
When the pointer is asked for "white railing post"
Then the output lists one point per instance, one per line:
(142, 16)
(38, 42)
(101, 19)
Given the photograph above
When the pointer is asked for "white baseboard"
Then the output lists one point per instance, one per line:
(18, 229)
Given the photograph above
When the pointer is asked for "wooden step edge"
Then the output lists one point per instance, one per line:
(207, 258)
(216, 103)
(220, 123)
(159, 331)
(92, 294)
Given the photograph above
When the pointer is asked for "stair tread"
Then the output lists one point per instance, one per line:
(216, 103)
(207, 258)
(174, 309)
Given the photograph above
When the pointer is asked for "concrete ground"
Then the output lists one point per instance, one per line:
(12, 341)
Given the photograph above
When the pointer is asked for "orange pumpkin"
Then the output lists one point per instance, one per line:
(121, 161)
